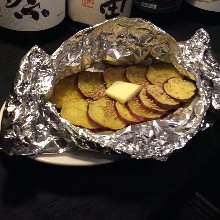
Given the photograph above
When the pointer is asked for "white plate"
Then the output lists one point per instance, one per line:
(74, 158)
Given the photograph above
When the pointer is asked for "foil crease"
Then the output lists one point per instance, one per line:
(32, 125)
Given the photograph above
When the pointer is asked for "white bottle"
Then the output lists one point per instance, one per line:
(91, 12)
(30, 20)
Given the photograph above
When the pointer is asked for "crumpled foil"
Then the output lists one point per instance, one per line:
(32, 125)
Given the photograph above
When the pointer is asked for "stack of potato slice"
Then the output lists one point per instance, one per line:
(82, 100)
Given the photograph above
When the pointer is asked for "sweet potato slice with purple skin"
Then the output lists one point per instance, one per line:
(125, 115)
(139, 111)
(137, 74)
(75, 112)
(160, 98)
(103, 113)
(148, 103)
(158, 73)
(114, 74)
(65, 90)
(179, 89)
(91, 84)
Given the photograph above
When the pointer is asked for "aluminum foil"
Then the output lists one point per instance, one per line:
(32, 125)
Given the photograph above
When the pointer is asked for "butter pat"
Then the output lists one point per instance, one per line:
(122, 91)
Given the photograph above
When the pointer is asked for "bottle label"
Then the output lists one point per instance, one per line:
(31, 15)
(96, 11)
(209, 5)
(158, 5)
(148, 5)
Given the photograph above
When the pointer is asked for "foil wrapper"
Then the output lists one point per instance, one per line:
(32, 125)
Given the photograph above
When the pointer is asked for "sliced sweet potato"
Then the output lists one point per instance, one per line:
(160, 98)
(75, 112)
(125, 115)
(148, 102)
(137, 74)
(91, 84)
(158, 73)
(65, 90)
(138, 110)
(114, 74)
(103, 113)
(179, 89)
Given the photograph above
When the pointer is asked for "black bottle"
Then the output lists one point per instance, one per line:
(156, 11)
(30, 21)
(158, 6)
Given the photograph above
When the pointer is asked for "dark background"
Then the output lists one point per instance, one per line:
(186, 186)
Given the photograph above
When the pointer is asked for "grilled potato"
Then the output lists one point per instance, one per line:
(75, 112)
(137, 74)
(159, 73)
(114, 74)
(103, 112)
(91, 84)
(160, 98)
(148, 103)
(84, 101)
(125, 115)
(179, 89)
(65, 90)
(139, 111)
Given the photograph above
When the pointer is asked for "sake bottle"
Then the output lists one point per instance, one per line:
(156, 11)
(30, 20)
(204, 11)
